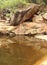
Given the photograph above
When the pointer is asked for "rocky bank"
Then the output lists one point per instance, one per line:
(25, 22)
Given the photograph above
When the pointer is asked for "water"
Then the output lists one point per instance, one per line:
(21, 50)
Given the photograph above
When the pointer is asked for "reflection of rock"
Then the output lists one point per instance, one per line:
(15, 51)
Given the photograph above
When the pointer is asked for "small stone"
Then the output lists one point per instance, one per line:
(45, 16)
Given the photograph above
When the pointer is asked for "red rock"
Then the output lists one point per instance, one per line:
(24, 14)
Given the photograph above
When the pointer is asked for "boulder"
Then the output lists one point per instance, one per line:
(24, 14)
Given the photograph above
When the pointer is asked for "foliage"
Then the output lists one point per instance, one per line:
(14, 3)
(11, 3)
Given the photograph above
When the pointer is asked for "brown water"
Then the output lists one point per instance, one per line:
(21, 50)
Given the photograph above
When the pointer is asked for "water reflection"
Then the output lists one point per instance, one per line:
(21, 50)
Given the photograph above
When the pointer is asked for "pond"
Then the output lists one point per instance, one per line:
(21, 50)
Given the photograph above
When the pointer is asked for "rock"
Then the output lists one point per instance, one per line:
(33, 25)
(29, 25)
(31, 32)
(38, 19)
(24, 14)
(45, 28)
(30, 28)
(41, 37)
(7, 30)
(20, 30)
(45, 16)
(25, 28)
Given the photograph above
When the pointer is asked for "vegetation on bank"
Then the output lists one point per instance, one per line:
(14, 3)
(11, 3)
